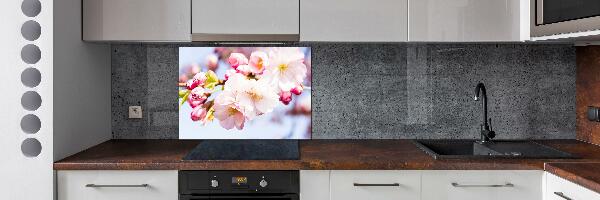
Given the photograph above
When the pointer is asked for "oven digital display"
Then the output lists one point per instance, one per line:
(239, 180)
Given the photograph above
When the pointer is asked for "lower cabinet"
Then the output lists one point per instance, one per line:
(421, 185)
(380, 185)
(560, 189)
(482, 185)
(117, 185)
(314, 184)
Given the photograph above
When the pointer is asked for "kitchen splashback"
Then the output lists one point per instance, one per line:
(377, 91)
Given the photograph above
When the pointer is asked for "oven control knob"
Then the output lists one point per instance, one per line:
(214, 183)
(263, 183)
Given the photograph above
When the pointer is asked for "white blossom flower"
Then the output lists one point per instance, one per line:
(286, 69)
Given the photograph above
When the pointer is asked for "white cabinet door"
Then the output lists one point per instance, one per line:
(478, 185)
(375, 185)
(117, 185)
(354, 20)
(560, 189)
(468, 20)
(136, 20)
(314, 184)
(243, 20)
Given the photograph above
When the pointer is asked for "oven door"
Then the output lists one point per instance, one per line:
(551, 17)
(245, 197)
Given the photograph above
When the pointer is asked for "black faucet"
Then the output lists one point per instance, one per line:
(487, 134)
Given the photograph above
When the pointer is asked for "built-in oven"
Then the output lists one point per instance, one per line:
(552, 17)
(236, 185)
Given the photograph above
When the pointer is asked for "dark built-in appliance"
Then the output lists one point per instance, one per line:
(234, 185)
(551, 17)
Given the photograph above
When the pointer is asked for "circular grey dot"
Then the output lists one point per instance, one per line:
(31, 77)
(31, 100)
(31, 8)
(31, 30)
(30, 124)
(31, 147)
(31, 54)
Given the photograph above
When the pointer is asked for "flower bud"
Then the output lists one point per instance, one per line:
(198, 113)
(297, 90)
(197, 97)
(237, 59)
(285, 97)
(197, 80)
(212, 62)
(258, 62)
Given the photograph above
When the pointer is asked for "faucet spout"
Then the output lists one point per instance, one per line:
(486, 133)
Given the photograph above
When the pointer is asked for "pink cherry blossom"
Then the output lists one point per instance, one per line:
(286, 68)
(233, 87)
(198, 113)
(227, 107)
(257, 98)
(258, 61)
(229, 73)
(237, 59)
(229, 116)
(236, 82)
(285, 97)
(297, 90)
(197, 97)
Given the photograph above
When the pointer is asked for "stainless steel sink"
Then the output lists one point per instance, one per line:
(469, 149)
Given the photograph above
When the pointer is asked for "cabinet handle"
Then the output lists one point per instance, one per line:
(115, 186)
(504, 185)
(376, 184)
(562, 195)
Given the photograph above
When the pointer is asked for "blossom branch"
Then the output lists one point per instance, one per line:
(221, 82)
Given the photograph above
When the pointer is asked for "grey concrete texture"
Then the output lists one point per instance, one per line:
(383, 91)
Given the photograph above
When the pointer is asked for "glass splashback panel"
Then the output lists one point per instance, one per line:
(244, 93)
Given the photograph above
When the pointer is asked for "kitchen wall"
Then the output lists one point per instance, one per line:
(372, 91)
(588, 92)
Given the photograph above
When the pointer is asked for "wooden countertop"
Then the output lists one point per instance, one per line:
(314, 155)
(584, 174)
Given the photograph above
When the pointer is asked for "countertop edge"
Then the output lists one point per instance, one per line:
(576, 178)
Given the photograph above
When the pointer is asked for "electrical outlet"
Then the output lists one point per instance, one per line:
(135, 112)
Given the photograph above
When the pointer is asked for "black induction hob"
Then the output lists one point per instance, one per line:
(245, 150)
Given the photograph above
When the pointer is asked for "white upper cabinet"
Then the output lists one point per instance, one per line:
(245, 20)
(354, 20)
(136, 20)
(469, 20)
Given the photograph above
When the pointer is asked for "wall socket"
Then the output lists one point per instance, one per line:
(135, 112)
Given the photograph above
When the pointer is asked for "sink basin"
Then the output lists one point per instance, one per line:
(469, 149)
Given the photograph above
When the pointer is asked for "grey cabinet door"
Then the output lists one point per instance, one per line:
(245, 20)
(136, 20)
(468, 21)
(354, 20)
